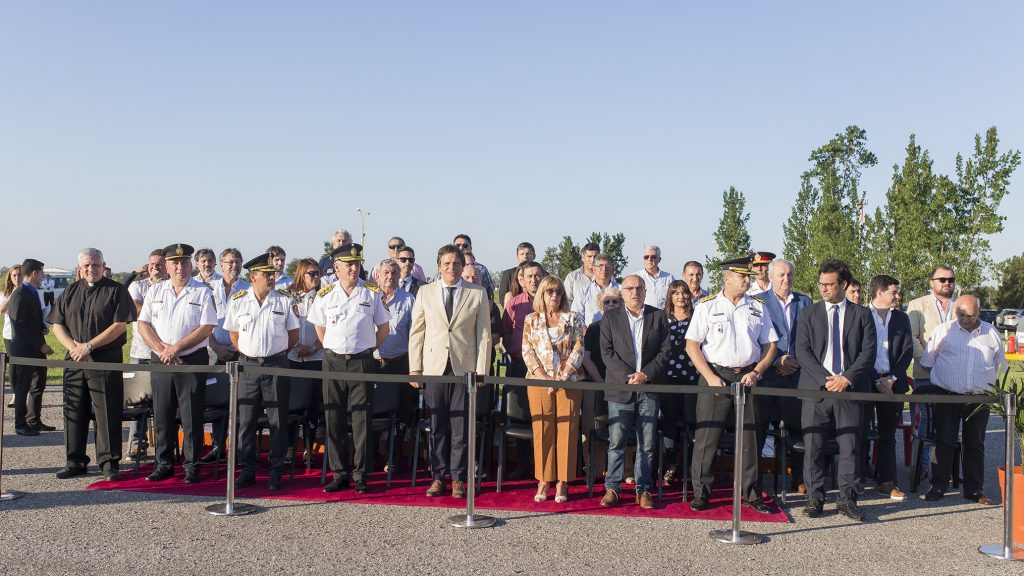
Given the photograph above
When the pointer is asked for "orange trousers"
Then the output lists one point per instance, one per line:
(556, 432)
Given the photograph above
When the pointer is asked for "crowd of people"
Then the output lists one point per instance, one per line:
(193, 307)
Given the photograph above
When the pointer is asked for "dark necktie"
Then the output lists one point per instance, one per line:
(837, 352)
(449, 301)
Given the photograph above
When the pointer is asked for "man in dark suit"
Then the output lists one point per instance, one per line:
(406, 267)
(835, 346)
(627, 363)
(783, 307)
(26, 313)
(894, 352)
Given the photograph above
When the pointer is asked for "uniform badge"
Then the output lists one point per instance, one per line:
(179, 251)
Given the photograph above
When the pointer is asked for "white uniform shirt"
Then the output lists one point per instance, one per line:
(964, 362)
(756, 288)
(175, 316)
(585, 302)
(350, 321)
(657, 287)
(262, 328)
(138, 291)
(221, 299)
(307, 333)
(731, 335)
(283, 282)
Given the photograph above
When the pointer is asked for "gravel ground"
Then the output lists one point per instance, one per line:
(61, 528)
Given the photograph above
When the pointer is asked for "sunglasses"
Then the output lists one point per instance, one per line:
(949, 280)
(651, 257)
(462, 246)
(404, 259)
(395, 246)
(611, 302)
(553, 292)
(313, 273)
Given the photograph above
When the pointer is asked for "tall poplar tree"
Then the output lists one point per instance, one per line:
(732, 239)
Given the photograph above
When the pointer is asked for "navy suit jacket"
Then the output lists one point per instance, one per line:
(26, 314)
(617, 348)
(901, 350)
(858, 346)
(787, 338)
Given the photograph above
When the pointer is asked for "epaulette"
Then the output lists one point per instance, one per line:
(238, 294)
(371, 286)
(325, 290)
(708, 298)
(756, 299)
(285, 293)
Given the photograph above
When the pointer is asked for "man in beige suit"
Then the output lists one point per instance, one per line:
(926, 313)
(450, 334)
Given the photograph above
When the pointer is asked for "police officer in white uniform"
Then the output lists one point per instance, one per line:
(351, 322)
(263, 327)
(730, 338)
(176, 320)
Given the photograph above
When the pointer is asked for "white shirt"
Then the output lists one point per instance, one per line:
(138, 291)
(221, 299)
(301, 304)
(175, 316)
(573, 281)
(585, 302)
(756, 288)
(657, 287)
(211, 280)
(827, 361)
(455, 295)
(730, 334)
(882, 339)
(350, 321)
(784, 304)
(636, 327)
(262, 328)
(8, 329)
(282, 283)
(964, 362)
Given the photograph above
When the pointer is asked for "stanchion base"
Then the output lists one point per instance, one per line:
(736, 537)
(474, 521)
(5, 496)
(236, 510)
(997, 551)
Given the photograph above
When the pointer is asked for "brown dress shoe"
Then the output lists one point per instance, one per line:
(611, 498)
(980, 498)
(436, 488)
(458, 489)
(645, 501)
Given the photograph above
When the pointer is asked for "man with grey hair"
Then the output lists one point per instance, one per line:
(340, 238)
(655, 279)
(90, 320)
(585, 301)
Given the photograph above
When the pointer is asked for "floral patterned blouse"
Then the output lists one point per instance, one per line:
(558, 350)
(680, 368)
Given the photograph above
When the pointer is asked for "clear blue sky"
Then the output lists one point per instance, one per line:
(132, 125)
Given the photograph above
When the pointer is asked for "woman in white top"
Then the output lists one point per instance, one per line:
(11, 281)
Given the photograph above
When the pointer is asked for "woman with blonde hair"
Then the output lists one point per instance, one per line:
(553, 350)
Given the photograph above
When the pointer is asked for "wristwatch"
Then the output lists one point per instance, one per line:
(88, 346)
(757, 374)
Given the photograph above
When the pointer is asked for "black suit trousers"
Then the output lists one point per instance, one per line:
(181, 394)
(887, 415)
(448, 405)
(948, 419)
(817, 416)
(100, 392)
(256, 393)
(344, 399)
(29, 383)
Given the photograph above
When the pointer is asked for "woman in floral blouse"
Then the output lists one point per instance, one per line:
(553, 350)
(680, 371)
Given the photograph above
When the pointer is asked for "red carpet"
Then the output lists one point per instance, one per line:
(516, 496)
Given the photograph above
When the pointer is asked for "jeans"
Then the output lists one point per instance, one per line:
(640, 414)
(922, 427)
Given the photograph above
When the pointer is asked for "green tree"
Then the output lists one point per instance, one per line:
(826, 220)
(290, 267)
(1011, 283)
(611, 246)
(732, 239)
(562, 259)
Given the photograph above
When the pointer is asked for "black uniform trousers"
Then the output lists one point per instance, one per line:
(184, 393)
(447, 404)
(29, 383)
(713, 413)
(102, 391)
(816, 417)
(344, 399)
(256, 393)
(887, 415)
(948, 419)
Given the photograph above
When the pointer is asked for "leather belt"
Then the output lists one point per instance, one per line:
(368, 353)
(264, 359)
(731, 370)
(399, 358)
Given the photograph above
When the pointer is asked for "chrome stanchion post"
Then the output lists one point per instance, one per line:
(471, 519)
(4, 496)
(231, 508)
(1006, 550)
(735, 535)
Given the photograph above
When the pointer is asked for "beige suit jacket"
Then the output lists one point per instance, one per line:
(466, 340)
(924, 317)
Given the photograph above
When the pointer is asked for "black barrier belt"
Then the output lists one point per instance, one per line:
(877, 396)
(112, 366)
(357, 376)
(605, 387)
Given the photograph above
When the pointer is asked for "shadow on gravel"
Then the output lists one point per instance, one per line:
(77, 498)
(872, 519)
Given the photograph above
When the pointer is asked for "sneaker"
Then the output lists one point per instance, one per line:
(889, 489)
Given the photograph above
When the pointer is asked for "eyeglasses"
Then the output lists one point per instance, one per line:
(462, 246)
(824, 285)
(394, 246)
(404, 259)
(949, 280)
(651, 257)
(313, 273)
(553, 292)
(611, 302)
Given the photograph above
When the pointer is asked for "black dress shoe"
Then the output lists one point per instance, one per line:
(850, 510)
(70, 472)
(699, 503)
(757, 505)
(934, 494)
(275, 482)
(339, 483)
(26, 432)
(245, 480)
(192, 475)
(360, 487)
(814, 508)
(160, 473)
(211, 457)
(44, 427)
(112, 475)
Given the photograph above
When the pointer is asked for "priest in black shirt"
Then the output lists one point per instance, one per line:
(90, 320)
